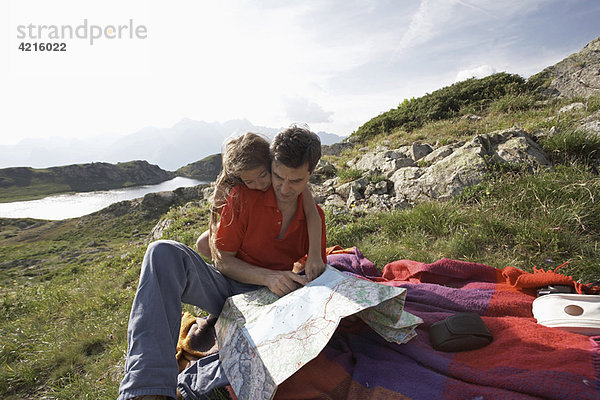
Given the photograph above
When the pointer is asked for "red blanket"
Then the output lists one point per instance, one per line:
(525, 360)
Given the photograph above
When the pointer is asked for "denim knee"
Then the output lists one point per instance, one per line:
(162, 257)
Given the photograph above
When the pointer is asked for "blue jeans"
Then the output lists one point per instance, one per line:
(172, 273)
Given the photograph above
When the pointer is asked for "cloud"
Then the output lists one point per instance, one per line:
(300, 109)
(477, 72)
(421, 27)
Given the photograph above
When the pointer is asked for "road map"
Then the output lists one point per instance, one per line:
(264, 339)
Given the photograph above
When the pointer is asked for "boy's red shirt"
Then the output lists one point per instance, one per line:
(250, 224)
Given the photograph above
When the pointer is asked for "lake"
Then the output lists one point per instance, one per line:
(72, 205)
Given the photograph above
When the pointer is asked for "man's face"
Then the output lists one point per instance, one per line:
(288, 182)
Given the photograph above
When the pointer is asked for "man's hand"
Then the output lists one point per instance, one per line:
(284, 282)
(314, 267)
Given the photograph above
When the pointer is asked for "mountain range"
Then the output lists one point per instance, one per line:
(170, 148)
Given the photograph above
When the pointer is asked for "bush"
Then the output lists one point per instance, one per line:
(513, 102)
(469, 95)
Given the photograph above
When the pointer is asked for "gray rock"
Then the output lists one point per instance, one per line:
(575, 76)
(334, 200)
(466, 165)
(522, 150)
(572, 107)
(383, 161)
(358, 186)
(335, 149)
(419, 151)
(353, 196)
(331, 182)
(325, 168)
(439, 153)
(159, 229)
(378, 188)
(323, 171)
(592, 128)
(382, 187)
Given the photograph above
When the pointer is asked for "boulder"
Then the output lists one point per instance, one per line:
(418, 151)
(159, 229)
(592, 128)
(382, 160)
(439, 153)
(591, 124)
(572, 107)
(358, 186)
(467, 165)
(323, 171)
(334, 200)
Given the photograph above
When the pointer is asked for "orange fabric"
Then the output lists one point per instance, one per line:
(250, 225)
(453, 271)
(328, 251)
(539, 278)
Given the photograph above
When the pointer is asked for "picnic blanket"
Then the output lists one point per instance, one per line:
(525, 360)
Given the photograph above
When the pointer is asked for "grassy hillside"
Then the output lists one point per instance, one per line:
(66, 289)
(67, 286)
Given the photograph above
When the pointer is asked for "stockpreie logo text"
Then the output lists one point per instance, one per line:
(85, 30)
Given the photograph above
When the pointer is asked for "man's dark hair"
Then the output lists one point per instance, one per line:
(295, 147)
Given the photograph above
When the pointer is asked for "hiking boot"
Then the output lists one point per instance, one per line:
(151, 397)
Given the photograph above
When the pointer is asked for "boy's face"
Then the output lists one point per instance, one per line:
(288, 182)
(256, 179)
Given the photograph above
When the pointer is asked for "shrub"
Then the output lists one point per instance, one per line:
(471, 94)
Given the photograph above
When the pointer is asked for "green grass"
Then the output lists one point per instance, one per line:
(514, 219)
(23, 193)
(65, 304)
(66, 287)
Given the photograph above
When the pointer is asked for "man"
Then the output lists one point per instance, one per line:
(260, 236)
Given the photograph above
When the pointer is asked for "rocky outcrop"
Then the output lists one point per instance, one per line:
(335, 149)
(206, 169)
(576, 76)
(398, 178)
(153, 205)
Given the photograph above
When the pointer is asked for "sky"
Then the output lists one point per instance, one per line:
(333, 64)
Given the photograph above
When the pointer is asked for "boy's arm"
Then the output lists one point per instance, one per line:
(314, 262)
(203, 246)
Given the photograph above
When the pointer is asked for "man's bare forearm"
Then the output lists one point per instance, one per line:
(235, 268)
(279, 282)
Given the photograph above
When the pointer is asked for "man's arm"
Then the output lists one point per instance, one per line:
(279, 282)
(314, 262)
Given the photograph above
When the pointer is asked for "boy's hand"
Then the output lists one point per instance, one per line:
(314, 267)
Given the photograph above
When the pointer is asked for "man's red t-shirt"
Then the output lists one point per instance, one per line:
(250, 225)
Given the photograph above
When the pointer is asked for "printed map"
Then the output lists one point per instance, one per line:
(264, 339)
